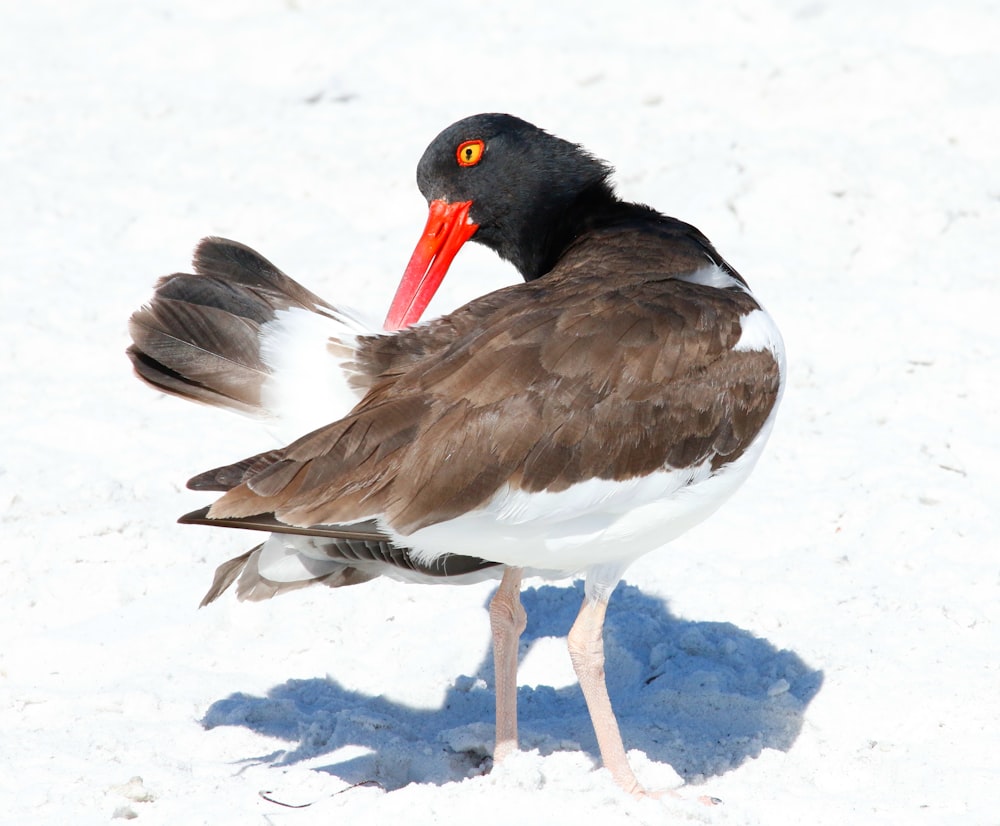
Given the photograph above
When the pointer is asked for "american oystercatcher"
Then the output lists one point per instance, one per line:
(566, 425)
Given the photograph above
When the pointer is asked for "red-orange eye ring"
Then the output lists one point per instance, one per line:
(469, 153)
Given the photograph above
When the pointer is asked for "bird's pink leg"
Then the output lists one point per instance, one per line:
(507, 620)
(586, 649)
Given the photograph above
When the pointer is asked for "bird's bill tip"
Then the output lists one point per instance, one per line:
(448, 228)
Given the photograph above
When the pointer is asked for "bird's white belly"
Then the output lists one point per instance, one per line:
(597, 522)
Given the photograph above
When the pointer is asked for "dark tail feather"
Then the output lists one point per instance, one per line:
(360, 544)
(252, 587)
(237, 264)
(199, 336)
(226, 574)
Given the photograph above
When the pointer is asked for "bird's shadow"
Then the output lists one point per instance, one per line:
(702, 697)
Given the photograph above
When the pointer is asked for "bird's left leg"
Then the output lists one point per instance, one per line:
(508, 621)
(586, 650)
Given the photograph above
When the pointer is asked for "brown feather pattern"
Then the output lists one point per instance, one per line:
(634, 366)
(199, 336)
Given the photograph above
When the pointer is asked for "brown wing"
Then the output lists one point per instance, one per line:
(602, 369)
(199, 337)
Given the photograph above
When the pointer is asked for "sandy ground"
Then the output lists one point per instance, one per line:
(825, 650)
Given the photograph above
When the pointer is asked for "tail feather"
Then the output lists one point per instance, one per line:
(231, 262)
(206, 336)
(333, 555)
(198, 351)
(252, 586)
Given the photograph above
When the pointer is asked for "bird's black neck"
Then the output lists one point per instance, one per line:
(596, 207)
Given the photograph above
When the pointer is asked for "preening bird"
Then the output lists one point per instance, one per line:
(565, 425)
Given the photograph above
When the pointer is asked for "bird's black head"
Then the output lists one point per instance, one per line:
(522, 182)
(498, 180)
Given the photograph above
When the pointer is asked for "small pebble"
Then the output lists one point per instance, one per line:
(778, 687)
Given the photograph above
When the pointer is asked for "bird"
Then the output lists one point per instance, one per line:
(562, 426)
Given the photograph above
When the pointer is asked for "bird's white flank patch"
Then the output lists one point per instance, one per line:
(309, 356)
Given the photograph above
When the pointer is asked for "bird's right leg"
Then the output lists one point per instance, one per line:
(507, 620)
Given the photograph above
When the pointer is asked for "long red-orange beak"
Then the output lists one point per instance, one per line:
(448, 227)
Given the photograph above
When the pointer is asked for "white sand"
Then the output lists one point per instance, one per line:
(824, 651)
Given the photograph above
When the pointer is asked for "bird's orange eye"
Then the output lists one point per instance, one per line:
(469, 153)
